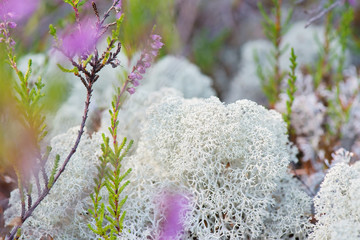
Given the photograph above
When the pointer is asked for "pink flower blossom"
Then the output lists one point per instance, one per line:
(352, 2)
(17, 9)
(175, 207)
(81, 40)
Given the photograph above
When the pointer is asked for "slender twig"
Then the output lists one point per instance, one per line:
(322, 13)
(107, 14)
(302, 182)
(46, 190)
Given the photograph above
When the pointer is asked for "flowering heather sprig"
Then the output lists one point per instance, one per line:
(5, 27)
(146, 58)
(110, 174)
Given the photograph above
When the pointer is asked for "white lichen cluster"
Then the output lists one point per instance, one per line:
(231, 160)
(180, 74)
(337, 205)
(63, 213)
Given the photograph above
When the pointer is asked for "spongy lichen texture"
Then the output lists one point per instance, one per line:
(337, 204)
(179, 73)
(231, 160)
(133, 113)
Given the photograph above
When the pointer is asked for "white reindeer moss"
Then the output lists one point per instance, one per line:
(337, 205)
(179, 73)
(229, 162)
(232, 162)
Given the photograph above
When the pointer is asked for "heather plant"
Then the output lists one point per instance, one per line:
(320, 93)
(290, 91)
(79, 48)
(274, 30)
(110, 174)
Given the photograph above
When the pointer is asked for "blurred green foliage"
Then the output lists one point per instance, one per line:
(206, 48)
(141, 16)
(7, 104)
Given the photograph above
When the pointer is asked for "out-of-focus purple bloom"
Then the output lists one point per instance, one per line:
(17, 9)
(118, 8)
(352, 2)
(81, 40)
(175, 207)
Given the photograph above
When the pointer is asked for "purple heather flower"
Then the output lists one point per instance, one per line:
(131, 90)
(136, 83)
(12, 25)
(147, 57)
(132, 76)
(141, 69)
(81, 40)
(145, 62)
(138, 76)
(352, 2)
(175, 207)
(155, 37)
(17, 9)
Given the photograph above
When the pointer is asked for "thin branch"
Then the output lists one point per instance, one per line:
(322, 13)
(107, 14)
(302, 182)
(46, 191)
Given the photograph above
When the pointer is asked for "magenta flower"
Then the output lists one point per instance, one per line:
(16, 10)
(81, 40)
(175, 207)
(352, 2)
